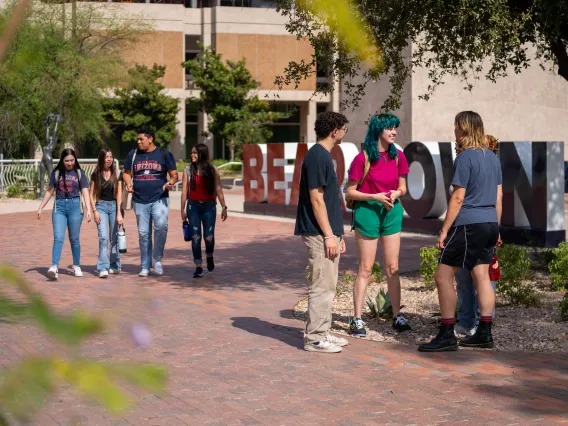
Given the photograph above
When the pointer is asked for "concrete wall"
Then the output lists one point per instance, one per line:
(266, 55)
(529, 106)
(371, 103)
(163, 48)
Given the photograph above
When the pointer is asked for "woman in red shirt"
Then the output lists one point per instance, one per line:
(201, 186)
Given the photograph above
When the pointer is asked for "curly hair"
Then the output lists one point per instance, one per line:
(493, 143)
(327, 122)
(377, 124)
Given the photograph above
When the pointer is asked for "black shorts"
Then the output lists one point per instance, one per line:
(470, 245)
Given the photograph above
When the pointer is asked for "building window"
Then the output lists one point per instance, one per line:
(191, 52)
(288, 128)
(321, 108)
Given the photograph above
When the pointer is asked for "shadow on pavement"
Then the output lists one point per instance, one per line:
(290, 335)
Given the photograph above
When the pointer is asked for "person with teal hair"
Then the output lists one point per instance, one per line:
(377, 179)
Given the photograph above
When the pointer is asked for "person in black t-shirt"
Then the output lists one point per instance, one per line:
(146, 171)
(319, 221)
(106, 198)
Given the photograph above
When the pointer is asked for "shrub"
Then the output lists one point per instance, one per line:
(430, 256)
(564, 308)
(542, 258)
(348, 278)
(382, 307)
(30, 196)
(558, 267)
(232, 167)
(15, 191)
(515, 268)
(377, 273)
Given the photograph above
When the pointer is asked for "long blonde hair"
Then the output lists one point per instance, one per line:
(471, 125)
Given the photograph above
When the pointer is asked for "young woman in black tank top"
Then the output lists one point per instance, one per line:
(106, 198)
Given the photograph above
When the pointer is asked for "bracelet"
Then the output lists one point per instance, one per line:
(225, 208)
(327, 238)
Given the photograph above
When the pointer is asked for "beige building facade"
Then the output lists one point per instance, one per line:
(256, 34)
(531, 106)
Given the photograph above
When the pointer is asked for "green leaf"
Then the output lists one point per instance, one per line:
(10, 309)
(92, 380)
(69, 329)
(148, 376)
(24, 388)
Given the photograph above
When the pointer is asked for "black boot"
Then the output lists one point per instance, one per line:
(444, 341)
(481, 339)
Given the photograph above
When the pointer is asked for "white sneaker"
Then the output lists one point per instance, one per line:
(336, 340)
(144, 273)
(158, 269)
(103, 273)
(53, 273)
(114, 271)
(77, 271)
(324, 346)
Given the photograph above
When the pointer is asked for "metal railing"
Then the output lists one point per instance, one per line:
(26, 172)
(230, 163)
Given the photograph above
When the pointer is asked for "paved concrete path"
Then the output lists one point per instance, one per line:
(234, 351)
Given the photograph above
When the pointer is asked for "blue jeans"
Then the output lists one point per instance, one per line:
(198, 214)
(155, 214)
(66, 214)
(468, 310)
(108, 229)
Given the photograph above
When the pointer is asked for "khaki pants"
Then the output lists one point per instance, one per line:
(322, 288)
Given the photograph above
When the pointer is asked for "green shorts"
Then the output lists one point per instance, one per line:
(372, 219)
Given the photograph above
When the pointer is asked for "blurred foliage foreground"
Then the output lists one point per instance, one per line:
(26, 386)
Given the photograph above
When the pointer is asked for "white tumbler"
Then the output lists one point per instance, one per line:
(122, 240)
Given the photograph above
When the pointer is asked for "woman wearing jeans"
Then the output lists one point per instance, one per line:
(106, 197)
(201, 186)
(69, 183)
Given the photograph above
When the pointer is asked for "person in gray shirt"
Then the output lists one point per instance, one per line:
(469, 233)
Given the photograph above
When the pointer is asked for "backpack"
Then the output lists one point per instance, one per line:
(350, 204)
(79, 175)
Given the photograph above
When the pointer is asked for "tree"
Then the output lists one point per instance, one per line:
(50, 69)
(468, 39)
(143, 103)
(225, 88)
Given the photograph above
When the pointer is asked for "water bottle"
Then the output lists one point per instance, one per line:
(121, 240)
(185, 227)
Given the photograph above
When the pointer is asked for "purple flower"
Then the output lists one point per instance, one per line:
(141, 335)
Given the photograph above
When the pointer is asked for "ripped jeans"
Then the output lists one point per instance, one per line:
(202, 213)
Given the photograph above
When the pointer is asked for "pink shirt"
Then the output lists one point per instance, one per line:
(383, 176)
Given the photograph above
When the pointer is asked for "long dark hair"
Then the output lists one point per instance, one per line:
(61, 166)
(113, 180)
(205, 167)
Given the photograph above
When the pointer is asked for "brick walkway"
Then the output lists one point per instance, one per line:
(234, 352)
